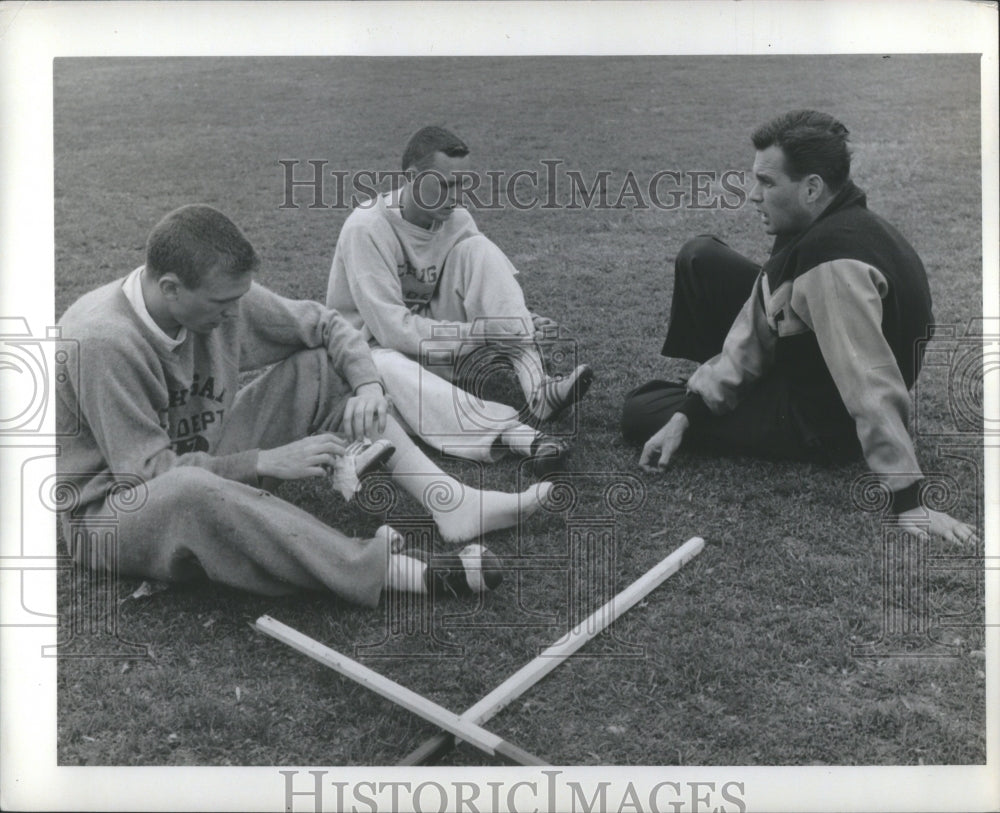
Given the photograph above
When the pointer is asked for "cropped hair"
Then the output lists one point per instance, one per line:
(192, 240)
(429, 140)
(813, 143)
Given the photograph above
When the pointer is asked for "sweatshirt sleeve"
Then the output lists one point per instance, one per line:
(117, 403)
(275, 327)
(746, 354)
(366, 252)
(841, 301)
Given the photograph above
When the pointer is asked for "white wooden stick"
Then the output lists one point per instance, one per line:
(397, 693)
(593, 625)
(533, 671)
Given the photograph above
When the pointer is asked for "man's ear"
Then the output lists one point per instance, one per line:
(169, 285)
(815, 186)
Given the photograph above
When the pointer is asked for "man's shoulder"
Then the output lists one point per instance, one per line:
(463, 221)
(103, 319)
(856, 233)
(95, 310)
(366, 216)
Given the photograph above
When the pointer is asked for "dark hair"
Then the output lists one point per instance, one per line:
(429, 140)
(813, 143)
(192, 240)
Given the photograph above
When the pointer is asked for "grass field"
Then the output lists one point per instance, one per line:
(745, 656)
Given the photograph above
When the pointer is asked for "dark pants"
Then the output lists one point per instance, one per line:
(711, 284)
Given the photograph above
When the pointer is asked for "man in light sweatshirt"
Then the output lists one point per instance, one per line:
(159, 406)
(437, 298)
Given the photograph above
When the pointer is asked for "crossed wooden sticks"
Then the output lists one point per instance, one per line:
(468, 726)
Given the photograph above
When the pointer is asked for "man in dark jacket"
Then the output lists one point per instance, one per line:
(812, 355)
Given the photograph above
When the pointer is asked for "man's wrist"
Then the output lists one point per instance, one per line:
(694, 409)
(358, 389)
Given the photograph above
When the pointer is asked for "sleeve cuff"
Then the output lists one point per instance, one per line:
(373, 381)
(695, 409)
(240, 466)
(359, 372)
(906, 499)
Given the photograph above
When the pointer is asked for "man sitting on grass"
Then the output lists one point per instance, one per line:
(812, 355)
(160, 352)
(415, 275)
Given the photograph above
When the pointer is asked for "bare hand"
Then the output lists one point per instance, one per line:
(301, 458)
(545, 328)
(366, 413)
(924, 521)
(660, 448)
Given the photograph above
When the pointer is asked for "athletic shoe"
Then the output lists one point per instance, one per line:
(358, 459)
(558, 393)
(473, 570)
(548, 455)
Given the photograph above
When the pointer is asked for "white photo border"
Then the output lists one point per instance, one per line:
(33, 34)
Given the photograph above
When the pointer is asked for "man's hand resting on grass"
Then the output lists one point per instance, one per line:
(660, 448)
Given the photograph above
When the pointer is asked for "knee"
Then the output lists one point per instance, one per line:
(476, 256)
(187, 486)
(648, 407)
(311, 362)
(314, 376)
(635, 414)
(476, 250)
(696, 251)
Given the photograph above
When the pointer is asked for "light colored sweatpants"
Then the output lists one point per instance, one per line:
(477, 286)
(196, 524)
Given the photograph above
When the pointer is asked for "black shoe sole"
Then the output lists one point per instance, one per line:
(580, 388)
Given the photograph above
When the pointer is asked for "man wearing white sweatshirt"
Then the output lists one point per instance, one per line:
(432, 294)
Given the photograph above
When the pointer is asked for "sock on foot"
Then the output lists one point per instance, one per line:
(520, 439)
(473, 570)
(470, 513)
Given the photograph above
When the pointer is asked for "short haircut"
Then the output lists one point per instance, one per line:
(813, 143)
(429, 140)
(193, 240)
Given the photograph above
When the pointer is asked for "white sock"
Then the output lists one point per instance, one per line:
(519, 439)
(402, 573)
(465, 514)
(461, 513)
(530, 372)
(405, 574)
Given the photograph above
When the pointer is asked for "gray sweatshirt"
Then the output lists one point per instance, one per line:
(145, 407)
(385, 272)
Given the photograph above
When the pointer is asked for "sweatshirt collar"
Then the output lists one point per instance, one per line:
(132, 288)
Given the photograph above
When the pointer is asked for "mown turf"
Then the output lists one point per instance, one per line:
(745, 656)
